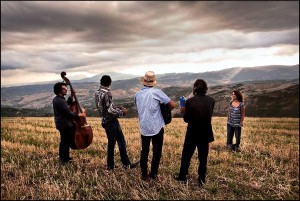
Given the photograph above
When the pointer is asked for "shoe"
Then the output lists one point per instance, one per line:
(67, 160)
(229, 146)
(235, 148)
(181, 179)
(145, 178)
(201, 181)
(111, 167)
(152, 176)
(132, 165)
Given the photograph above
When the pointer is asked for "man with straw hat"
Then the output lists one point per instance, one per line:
(147, 101)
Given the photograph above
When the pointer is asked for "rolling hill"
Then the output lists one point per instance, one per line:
(263, 87)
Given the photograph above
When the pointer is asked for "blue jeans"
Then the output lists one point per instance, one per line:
(231, 130)
(114, 134)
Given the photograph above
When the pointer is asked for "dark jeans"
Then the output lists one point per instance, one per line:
(230, 132)
(114, 134)
(157, 143)
(189, 147)
(66, 136)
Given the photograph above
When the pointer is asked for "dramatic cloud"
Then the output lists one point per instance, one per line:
(45, 37)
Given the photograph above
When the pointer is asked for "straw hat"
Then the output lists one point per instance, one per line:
(149, 79)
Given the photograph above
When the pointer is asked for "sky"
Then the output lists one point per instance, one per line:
(40, 39)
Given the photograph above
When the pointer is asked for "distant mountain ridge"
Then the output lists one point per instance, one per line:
(225, 76)
(261, 100)
(233, 75)
(114, 76)
(230, 75)
(254, 79)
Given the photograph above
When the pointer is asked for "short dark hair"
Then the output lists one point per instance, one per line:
(57, 87)
(105, 80)
(200, 86)
(239, 95)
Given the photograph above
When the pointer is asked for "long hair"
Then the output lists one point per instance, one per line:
(239, 95)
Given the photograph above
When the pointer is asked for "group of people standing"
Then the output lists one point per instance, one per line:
(197, 113)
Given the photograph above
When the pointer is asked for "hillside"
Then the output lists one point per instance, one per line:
(259, 99)
(260, 85)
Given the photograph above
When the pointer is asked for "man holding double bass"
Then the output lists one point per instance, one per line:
(64, 120)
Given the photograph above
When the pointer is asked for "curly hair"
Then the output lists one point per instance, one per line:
(200, 86)
(105, 80)
(57, 87)
(239, 95)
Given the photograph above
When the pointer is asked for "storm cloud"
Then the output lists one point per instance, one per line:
(95, 37)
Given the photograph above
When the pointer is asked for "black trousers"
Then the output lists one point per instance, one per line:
(189, 147)
(157, 143)
(114, 134)
(66, 136)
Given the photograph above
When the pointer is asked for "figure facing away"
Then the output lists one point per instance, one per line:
(197, 113)
(110, 114)
(151, 122)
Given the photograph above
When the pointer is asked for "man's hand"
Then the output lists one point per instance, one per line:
(83, 114)
(124, 110)
(182, 109)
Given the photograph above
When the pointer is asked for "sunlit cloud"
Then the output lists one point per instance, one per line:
(85, 38)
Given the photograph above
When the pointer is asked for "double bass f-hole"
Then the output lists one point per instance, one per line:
(83, 135)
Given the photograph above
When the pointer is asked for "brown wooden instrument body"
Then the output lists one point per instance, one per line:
(83, 135)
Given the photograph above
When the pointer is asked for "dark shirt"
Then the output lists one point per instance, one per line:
(198, 115)
(63, 116)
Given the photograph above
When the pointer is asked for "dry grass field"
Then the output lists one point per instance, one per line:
(266, 168)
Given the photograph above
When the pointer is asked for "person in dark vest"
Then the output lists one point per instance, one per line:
(64, 120)
(151, 122)
(197, 113)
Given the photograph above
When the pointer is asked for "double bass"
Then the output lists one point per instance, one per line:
(83, 136)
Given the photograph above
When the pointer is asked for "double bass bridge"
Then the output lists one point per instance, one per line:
(85, 126)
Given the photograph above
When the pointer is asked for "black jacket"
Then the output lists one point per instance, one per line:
(63, 116)
(198, 115)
